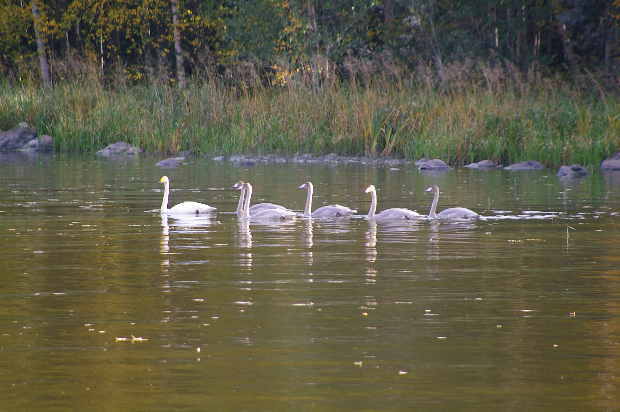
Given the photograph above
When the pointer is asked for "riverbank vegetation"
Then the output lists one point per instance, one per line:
(431, 78)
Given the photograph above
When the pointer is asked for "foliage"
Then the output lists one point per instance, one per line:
(546, 119)
(265, 39)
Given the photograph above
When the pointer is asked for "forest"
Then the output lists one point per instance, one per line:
(457, 78)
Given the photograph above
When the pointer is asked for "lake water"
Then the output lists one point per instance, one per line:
(106, 306)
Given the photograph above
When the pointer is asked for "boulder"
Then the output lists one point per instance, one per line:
(529, 165)
(572, 171)
(17, 138)
(41, 144)
(432, 164)
(612, 163)
(483, 164)
(171, 162)
(119, 149)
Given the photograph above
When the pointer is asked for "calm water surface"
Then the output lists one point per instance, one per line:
(104, 305)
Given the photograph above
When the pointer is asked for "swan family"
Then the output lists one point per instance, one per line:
(275, 212)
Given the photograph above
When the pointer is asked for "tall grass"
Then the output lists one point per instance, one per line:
(495, 115)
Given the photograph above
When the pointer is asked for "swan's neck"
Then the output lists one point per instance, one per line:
(164, 202)
(432, 213)
(247, 197)
(373, 205)
(240, 203)
(308, 208)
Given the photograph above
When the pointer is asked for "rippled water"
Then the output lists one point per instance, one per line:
(107, 306)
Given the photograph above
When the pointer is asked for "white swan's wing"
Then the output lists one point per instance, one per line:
(274, 214)
(332, 211)
(397, 214)
(190, 208)
(260, 207)
(458, 213)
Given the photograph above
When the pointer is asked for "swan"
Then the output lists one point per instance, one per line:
(453, 213)
(267, 214)
(330, 211)
(388, 215)
(185, 208)
(259, 207)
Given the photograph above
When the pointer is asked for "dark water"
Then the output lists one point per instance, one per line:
(104, 306)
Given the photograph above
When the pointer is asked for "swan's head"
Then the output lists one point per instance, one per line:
(433, 188)
(238, 185)
(306, 185)
(370, 189)
(164, 180)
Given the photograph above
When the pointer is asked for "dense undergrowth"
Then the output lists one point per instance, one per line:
(504, 118)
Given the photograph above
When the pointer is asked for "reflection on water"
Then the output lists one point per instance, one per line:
(104, 304)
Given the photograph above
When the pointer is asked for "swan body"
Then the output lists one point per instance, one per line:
(324, 212)
(259, 207)
(267, 214)
(453, 213)
(388, 215)
(185, 208)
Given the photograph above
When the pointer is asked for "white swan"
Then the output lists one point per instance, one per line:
(453, 213)
(388, 215)
(259, 207)
(185, 208)
(323, 212)
(267, 214)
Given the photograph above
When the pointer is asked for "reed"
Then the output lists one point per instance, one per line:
(501, 116)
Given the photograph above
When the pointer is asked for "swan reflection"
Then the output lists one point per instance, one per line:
(308, 235)
(164, 247)
(371, 242)
(244, 235)
(191, 222)
(371, 252)
(244, 240)
(308, 241)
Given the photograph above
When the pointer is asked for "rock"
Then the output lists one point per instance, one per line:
(433, 164)
(218, 158)
(331, 159)
(529, 165)
(483, 164)
(42, 144)
(171, 162)
(119, 149)
(572, 172)
(612, 163)
(17, 138)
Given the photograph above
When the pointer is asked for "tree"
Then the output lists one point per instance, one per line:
(43, 63)
(178, 50)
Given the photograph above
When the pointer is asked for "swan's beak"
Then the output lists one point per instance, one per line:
(302, 186)
(369, 189)
(237, 185)
(163, 179)
(429, 189)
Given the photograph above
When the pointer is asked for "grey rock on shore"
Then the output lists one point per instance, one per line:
(483, 165)
(171, 162)
(612, 163)
(432, 164)
(528, 165)
(118, 149)
(24, 138)
(329, 159)
(572, 172)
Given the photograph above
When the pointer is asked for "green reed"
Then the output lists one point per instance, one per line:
(551, 121)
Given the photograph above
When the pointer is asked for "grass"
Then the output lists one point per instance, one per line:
(548, 120)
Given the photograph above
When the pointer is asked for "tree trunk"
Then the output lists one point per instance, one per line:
(311, 10)
(388, 12)
(43, 64)
(569, 53)
(178, 50)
